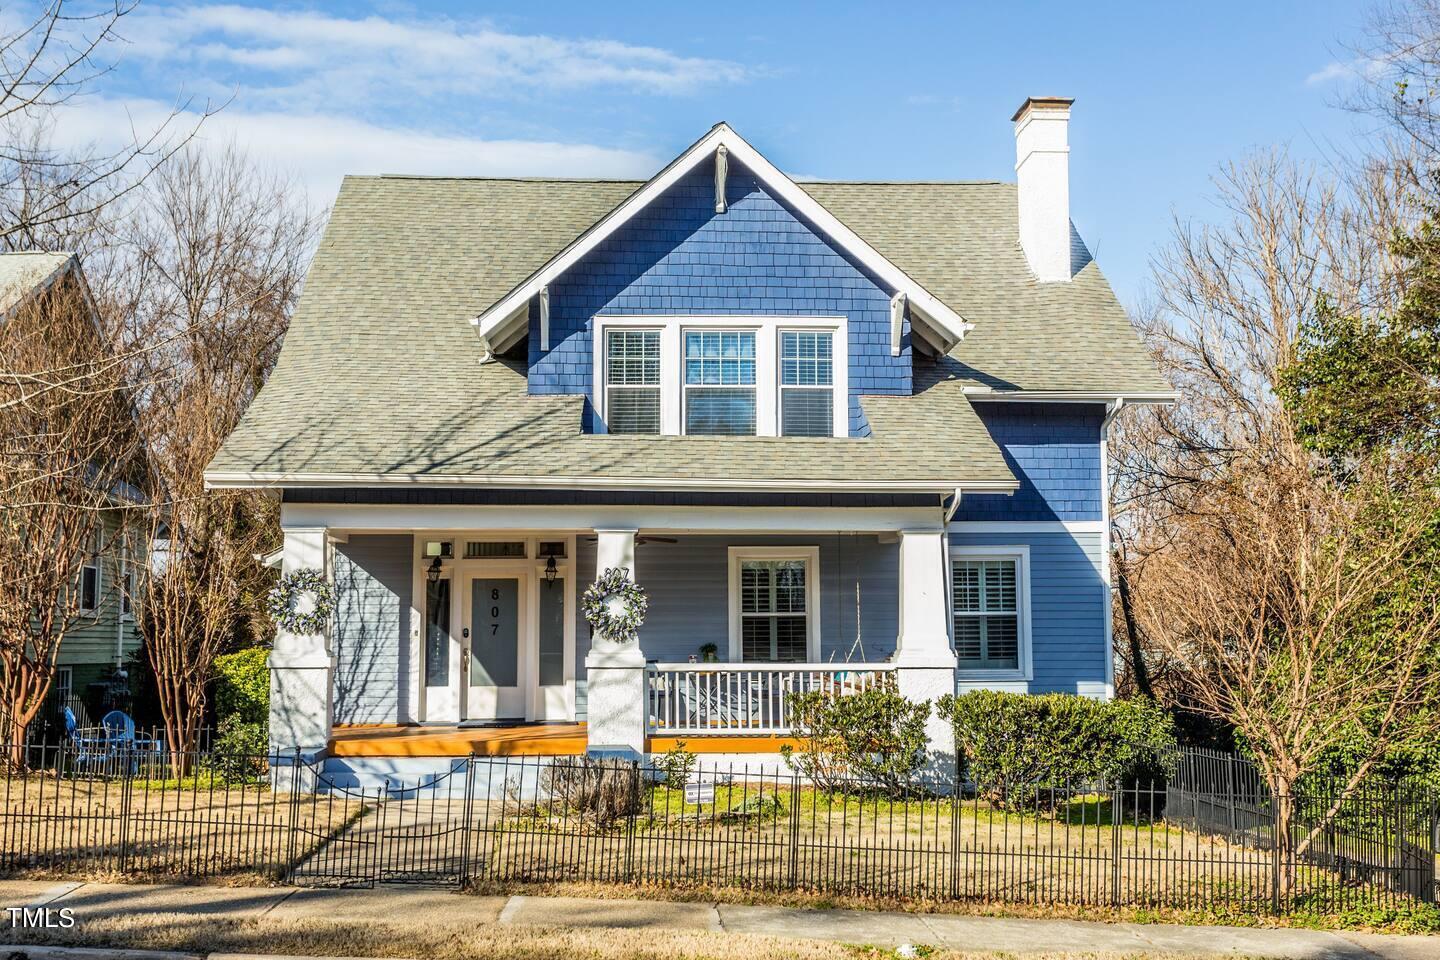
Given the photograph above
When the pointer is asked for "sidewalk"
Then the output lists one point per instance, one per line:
(422, 906)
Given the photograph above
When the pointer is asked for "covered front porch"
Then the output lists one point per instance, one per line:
(452, 639)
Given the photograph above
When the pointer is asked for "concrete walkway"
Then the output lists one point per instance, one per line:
(422, 906)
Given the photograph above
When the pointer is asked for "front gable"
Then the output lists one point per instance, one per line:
(679, 258)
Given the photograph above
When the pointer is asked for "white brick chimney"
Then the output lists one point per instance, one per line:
(1042, 173)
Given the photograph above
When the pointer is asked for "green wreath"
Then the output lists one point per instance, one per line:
(283, 602)
(615, 605)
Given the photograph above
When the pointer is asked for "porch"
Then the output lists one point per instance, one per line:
(448, 641)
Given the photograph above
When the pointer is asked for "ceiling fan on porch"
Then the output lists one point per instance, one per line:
(641, 540)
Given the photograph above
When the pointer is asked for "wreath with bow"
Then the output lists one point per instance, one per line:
(615, 605)
(283, 602)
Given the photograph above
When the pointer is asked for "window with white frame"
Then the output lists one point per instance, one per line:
(988, 606)
(90, 577)
(807, 377)
(632, 381)
(728, 376)
(720, 382)
(773, 615)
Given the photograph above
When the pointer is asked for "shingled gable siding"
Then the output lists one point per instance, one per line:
(679, 257)
(372, 624)
(1067, 612)
(1054, 451)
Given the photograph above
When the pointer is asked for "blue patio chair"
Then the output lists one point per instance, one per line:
(120, 732)
(90, 749)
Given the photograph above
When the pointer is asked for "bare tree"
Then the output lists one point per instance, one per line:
(52, 55)
(1313, 624)
(219, 252)
(70, 457)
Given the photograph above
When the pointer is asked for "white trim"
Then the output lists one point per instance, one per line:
(248, 479)
(431, 520)
(1027, 526)
(493, 323)
(545, 319)
(979, 394)
(897, 322)
(1021, 553)
(767, 329)
(811, 558)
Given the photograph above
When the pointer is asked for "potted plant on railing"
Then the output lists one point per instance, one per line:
(709, 653)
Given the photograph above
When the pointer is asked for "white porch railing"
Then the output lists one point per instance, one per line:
(744, 698)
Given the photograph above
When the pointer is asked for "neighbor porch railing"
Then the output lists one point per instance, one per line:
(744, 698)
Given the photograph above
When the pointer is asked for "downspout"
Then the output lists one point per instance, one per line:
(1111, 410)
(948, 512)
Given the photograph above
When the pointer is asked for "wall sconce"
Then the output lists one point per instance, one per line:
(550, 550)
(432, 572)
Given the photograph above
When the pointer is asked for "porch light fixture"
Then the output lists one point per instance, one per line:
(432, 572)
(549, 551)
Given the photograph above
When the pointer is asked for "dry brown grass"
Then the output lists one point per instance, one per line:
(328, 938)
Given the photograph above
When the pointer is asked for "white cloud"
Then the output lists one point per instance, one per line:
(1345, 71)
(320, 149)
(318, 59)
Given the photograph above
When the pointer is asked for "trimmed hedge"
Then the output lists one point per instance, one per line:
(242, 686)
(868, 741)
(1015, 745)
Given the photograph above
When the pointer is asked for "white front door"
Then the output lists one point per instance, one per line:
(496, 640)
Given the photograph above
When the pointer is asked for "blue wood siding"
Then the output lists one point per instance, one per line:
(1054, 451)
(679, 256)
(688, 586)
(1067, 605)
(371, 628)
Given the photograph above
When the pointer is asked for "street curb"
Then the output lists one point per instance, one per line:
(16, 951)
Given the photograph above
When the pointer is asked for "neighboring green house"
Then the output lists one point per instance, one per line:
(106, 635)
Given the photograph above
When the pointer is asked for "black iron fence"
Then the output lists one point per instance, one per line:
(1188, 843)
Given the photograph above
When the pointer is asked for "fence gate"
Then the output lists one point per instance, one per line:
(397, 832)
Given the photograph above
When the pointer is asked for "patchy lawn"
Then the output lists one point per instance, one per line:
(326, 938)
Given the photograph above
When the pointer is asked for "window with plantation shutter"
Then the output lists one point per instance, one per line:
(986, 601)
(807, 377)
(772, 597)
(632, 381)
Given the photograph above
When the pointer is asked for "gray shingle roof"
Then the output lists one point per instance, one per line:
(380, 373)
(21, 273)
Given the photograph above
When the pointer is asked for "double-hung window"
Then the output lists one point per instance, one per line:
(807, 383)
(772, 604)
(632, 381)
(720, 382)
(988, 602)
(90, 578)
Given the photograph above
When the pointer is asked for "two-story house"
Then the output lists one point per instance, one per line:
(834, 430)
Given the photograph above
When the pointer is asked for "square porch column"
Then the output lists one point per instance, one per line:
(301, 664)
(616, 700)
(924, 659)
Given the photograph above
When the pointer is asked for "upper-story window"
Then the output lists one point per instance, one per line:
(632, 381)
(726, 376)
(720, 382)
(807, 377)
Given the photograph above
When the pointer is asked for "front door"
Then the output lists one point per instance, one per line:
(496, 645)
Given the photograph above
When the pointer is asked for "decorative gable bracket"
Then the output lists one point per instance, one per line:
(935, 327)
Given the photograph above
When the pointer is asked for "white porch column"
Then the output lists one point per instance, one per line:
(924, 659)
(301, 665)
(617, 701)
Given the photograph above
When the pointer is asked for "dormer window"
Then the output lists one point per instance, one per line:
(721, 376)
(632, 381)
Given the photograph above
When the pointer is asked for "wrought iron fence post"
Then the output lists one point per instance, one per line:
(955, 831)
(127, 785)
(294, 818)
(630, 817)
(1275, 855)
(465, 825)
(1230, 785)
(1116, 815)
(794, 865)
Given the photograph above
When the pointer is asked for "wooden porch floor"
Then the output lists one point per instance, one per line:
(521, 740)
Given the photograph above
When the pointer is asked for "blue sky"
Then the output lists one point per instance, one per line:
(1164, 91)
